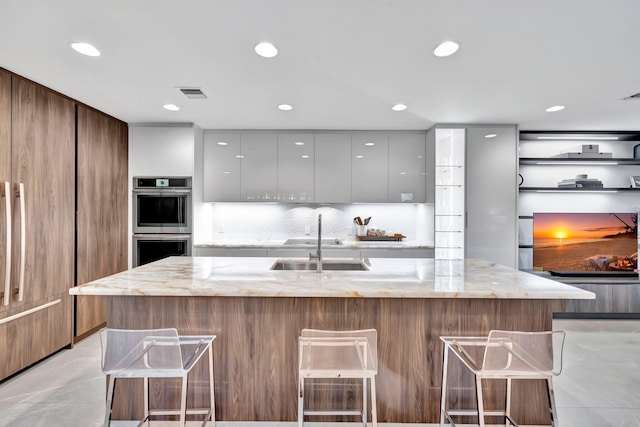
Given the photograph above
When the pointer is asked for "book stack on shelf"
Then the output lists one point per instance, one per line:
(580, 181)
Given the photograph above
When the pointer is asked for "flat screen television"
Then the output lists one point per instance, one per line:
(586, 244)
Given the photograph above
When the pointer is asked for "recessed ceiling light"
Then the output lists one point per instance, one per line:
(239, 156)
(399, 107)
(447, 48)
(266, 50)
(285, 107)
(359, 157)
(555, 108)
(491, 135)
(171, 107)
(85, 49)
(299, 143)
(226, 172)
(403, 173)
(222, 143)
(305, 156)
(370, 144)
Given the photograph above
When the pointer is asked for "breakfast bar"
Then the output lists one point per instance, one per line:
(257, 314)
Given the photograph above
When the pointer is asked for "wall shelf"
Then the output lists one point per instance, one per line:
(596, 161)
(574, 190)
(544, 162)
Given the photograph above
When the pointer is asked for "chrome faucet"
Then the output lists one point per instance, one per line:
(318, 254)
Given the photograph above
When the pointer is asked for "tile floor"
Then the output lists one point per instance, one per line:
(599, 386)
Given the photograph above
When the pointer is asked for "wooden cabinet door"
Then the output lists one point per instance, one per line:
(5, 174)
(43, 159)
(102, 209)
(28, 339)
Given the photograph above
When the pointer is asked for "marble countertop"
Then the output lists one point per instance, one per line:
(386, 278)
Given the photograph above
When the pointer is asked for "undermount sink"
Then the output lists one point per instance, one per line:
(313, 242)
(333, 265)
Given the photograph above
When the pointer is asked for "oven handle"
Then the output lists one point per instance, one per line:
(160, 192)
(7, 273)
(186, 237)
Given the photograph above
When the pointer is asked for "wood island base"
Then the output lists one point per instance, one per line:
(255, 353)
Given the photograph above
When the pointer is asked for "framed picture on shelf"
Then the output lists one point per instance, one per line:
(635, 181)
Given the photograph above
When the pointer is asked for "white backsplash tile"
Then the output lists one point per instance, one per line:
(226, 222)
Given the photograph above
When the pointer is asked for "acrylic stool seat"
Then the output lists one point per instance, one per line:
(339, 355)
(506, 355)
(156, 353)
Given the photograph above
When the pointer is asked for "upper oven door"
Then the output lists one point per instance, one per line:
(162, 211)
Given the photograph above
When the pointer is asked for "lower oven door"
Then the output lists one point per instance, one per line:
(152, 247)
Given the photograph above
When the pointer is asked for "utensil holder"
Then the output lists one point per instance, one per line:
(362, 230)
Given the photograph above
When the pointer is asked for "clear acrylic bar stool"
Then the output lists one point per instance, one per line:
(507, 355)
(155, 353)
(338, 354)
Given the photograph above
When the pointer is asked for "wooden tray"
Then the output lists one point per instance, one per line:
(395, 238)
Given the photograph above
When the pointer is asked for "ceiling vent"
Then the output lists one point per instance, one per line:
(634, 97)
(193, 93)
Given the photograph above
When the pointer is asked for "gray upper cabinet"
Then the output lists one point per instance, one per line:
(259, 167)
(407, 168)
(296, 158)
(370, 167)
(221, 173)
(333, 168)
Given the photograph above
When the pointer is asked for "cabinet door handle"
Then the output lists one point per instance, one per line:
(7, 271)
(23, 241)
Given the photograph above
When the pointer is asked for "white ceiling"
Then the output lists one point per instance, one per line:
(342, 63)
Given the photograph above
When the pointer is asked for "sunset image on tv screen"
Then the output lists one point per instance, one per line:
(585, 241)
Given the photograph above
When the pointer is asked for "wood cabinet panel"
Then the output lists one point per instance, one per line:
(602, 304)
(5, 171)
(256, 358)
(34, 336)
(40, 167)
(43, 158)
(5, 126)
(102, 208)
(625, 298)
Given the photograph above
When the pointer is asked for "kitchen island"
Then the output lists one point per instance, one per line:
(257, 315)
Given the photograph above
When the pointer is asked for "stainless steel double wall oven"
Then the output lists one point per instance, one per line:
(162, 218)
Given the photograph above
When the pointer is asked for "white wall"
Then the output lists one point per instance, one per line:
(165, 150)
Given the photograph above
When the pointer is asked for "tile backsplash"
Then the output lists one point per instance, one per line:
(228, 222)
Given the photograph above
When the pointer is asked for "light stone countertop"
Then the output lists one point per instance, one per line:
(386, 278)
